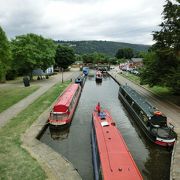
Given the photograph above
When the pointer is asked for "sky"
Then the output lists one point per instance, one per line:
(130, 21)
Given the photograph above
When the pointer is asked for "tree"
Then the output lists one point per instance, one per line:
(5, 55)
(124, 53)
(65, 56)
(32, 51)
(168, 36)
(163, 67)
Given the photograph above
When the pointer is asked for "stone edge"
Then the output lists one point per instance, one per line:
(54, 164)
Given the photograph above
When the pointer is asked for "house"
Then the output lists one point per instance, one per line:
(136, 62)
(40, 72)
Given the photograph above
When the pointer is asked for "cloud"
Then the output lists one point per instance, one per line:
(115, 20)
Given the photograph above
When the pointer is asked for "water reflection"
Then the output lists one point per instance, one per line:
(58, 134)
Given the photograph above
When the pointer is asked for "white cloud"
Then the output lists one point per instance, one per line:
(116, 20)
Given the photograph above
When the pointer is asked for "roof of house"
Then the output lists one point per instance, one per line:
(136, 59)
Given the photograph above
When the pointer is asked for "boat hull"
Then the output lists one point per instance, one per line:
(143, 126)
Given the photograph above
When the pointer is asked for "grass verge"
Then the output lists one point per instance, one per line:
(159, 90)
(131, 77)
(15, 162)
(11, 95)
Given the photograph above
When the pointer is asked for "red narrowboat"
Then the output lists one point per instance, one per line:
(111, 157)
(63, 110)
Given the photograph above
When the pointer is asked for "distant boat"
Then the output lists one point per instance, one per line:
(99, 76)
(150, 119)
(63, 110)
(111, 157)
(80, 80)
(85, 70)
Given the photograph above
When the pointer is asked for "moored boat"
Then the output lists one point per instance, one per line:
(80, 80)
(85, 70)
(99, 76)
(111, 157)
(62, 112)
(153, 122)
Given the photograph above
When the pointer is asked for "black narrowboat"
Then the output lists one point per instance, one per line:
(153, 122)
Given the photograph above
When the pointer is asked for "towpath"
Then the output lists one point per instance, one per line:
(171, 110)
(45, 84)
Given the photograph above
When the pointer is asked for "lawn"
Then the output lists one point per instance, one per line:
(131, 77)
(11, 95)
(159, 90)
(15, 162)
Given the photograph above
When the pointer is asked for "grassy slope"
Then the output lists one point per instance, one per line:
(15, 162)
(159, 90)
(11, 95)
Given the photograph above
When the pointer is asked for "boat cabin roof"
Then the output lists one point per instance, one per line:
(65, 99)
(116, 160)
(141, 101)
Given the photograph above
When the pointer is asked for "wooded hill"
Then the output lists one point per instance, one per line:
(107, 47)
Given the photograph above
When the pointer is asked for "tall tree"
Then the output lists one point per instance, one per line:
(65, 56)
(166, 63)
(168, 36)
(124, 53)
(5, 55)
(32, 51)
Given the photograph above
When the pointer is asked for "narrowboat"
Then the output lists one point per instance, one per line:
(153, 122)
(111, 157)
(99, 76)
(62, 112)
(85, 70)
(80, 80)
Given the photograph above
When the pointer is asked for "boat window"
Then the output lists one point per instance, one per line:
(136, 108)
(129, 99)
(58, 116)
(70, 106)
(122, 92)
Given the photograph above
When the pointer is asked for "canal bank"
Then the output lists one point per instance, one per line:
(54, 164)
(171, 111)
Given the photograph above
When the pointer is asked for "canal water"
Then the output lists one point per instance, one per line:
(75, 143)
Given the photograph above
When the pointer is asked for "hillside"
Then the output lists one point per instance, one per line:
(107, 47)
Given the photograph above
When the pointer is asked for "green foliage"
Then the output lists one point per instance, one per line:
(108, 48)
(162, 63)
(64, 56)
(95, 58)
(126, 53)
(148, 73)
(168, 36)
(32, 51)
(5, 56)
(113, 60)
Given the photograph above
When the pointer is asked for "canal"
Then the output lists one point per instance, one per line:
(75, 143)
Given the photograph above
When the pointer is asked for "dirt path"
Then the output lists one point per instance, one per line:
(45, 84)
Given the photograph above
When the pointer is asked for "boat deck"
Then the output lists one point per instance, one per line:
(116, 160)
